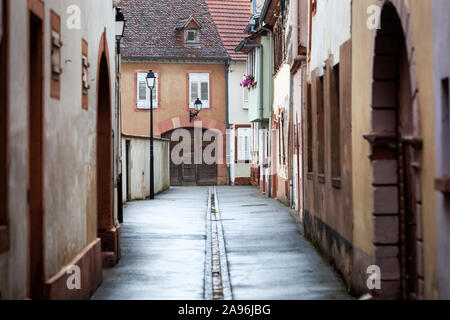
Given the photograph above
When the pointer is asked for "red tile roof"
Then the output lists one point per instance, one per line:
(231, 17)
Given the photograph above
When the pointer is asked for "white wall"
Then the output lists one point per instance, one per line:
(139, 167)
(237, 114)
(330, 29)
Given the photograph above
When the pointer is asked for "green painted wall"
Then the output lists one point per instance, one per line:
(253, 99)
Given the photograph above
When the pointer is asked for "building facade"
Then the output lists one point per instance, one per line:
(58, 212)
(239, 128)
(190, 62)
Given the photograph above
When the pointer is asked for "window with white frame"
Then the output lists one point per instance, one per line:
(243, 144)
(252, 62)
(143, 92)
(199, 88)
(244, 98)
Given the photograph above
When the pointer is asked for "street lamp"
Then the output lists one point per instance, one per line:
(120, 27)
(151, 81)
(197, 107)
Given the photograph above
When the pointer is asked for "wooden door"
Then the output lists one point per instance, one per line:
(191, 174)
(36, 159)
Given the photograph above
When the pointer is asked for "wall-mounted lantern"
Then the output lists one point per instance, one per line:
(120, 27)
(197, 107)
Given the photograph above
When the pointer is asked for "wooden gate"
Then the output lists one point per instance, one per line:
(191, 174)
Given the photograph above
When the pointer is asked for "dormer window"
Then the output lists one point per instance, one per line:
(191, 36)
(188, 31)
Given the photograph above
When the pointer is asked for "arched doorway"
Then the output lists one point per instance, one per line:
(192, 172)
(396, 159)
(104, 155)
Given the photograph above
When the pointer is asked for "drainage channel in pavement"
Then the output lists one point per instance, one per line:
(217, 281)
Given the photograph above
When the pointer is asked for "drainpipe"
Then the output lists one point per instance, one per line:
(291, 140)
(270, 104)
(227, 108)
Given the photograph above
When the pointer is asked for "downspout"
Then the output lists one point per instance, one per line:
(227, 108)
(291, 140)
(270, 104)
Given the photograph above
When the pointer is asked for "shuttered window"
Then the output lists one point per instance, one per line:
(199, 88)
(244, 136)
(143, 92)
(245, 98)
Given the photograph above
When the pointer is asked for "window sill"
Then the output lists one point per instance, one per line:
(4, 239)
(322, 178)
(442, 184)
(336, 182)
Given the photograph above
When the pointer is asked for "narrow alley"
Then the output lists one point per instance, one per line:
(165, 245)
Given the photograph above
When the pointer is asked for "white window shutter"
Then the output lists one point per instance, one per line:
(199, 88)
(155, 92)
(142, 91)
(245, 98)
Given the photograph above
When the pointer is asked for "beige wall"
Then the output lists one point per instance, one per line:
(69, 142)
(173, 98)
(420, 25)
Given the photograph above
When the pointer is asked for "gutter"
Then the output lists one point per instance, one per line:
(227, 108)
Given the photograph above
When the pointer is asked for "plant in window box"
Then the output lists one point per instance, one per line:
(265, 164)
(249, 81)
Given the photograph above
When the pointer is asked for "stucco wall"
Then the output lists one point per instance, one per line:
(173, 95)
(441, 31)
(69, 142)
(254, 94)
(139, 167)
(420, 27)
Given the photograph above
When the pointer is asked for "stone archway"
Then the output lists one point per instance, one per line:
(396, 156)
(200, 174)
(106, 229)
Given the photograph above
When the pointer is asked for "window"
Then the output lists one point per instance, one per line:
(143, 92)
(191, 36)
(85, 75)
(310, 128)
(251, 63)
(335, 124)
(320, 125)
(56, 45)
(279, 45)
(445, 127)
(243, 144)
(245, 98)
(199, 88)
